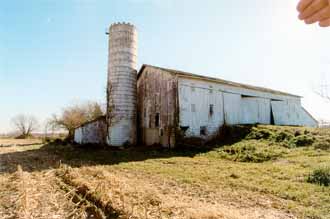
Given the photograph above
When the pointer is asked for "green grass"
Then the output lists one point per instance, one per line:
(320, 176)
(255, 151)
(276, 162)
(285, 178)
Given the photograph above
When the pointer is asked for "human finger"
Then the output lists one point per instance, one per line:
(314, 7)
(325, 23)
(303, 4)
(319, 16)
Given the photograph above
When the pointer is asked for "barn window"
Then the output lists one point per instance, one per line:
(150, 117)
(210, 89)
(184, 128)
(193, 108)
(203, 130)
(157, 120)
(211, 110)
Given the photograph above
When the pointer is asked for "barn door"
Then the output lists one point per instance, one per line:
(291, 113)
(232, 105)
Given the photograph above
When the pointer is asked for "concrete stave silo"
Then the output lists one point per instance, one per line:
(122, 76)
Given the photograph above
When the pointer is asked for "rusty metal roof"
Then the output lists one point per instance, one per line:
(216, 80)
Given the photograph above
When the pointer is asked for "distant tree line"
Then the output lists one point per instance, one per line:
(70, 118)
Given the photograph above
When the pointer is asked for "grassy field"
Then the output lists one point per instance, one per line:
(4, 142)
(255, 172)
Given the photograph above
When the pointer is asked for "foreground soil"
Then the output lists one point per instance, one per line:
(65, 181)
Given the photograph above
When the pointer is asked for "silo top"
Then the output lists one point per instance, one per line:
(122, 27)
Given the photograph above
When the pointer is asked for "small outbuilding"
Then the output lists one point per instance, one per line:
(92, 132)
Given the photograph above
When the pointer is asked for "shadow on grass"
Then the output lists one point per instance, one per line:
(52, 155)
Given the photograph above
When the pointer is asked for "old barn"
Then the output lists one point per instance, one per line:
(170, 99)
(153, 105)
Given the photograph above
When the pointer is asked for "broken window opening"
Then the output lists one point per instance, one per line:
(149, 121)
(211, 110)
(184, 128)
(203, 130)
(157, 120)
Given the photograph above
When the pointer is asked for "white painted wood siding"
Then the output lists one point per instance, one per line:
(288, 113)
(232, 108)
(255, 110)
(78, 136)
(234, 105)
(91, 133)
(226, 88)
(195, 109)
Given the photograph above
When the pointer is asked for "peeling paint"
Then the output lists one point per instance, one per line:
(200, 108)
(157, 101)
(91, 133)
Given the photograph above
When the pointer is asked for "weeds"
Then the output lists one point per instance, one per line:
(320, 176)
(302, 141)
(250, 151)
(323, 143)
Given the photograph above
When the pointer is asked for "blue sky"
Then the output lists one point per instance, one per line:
(54, 52)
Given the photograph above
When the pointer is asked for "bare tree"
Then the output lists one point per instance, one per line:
(49, 128)
(75, 116)
(25, 125)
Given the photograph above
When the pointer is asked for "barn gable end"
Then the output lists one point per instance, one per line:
(157, 106)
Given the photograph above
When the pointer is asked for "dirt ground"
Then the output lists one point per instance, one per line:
(40, 181)
(6, 142)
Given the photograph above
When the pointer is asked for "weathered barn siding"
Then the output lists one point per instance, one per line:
(91, 133)
(78, 135)
(199, 106)
(255, 110)
(230, 105)
(232, 108)
(201, 110)
(240, 109)
(233, 89)
(156, 107)
(287, 113)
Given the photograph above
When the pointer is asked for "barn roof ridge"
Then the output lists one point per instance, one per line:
(217, 80)
(103, 117)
